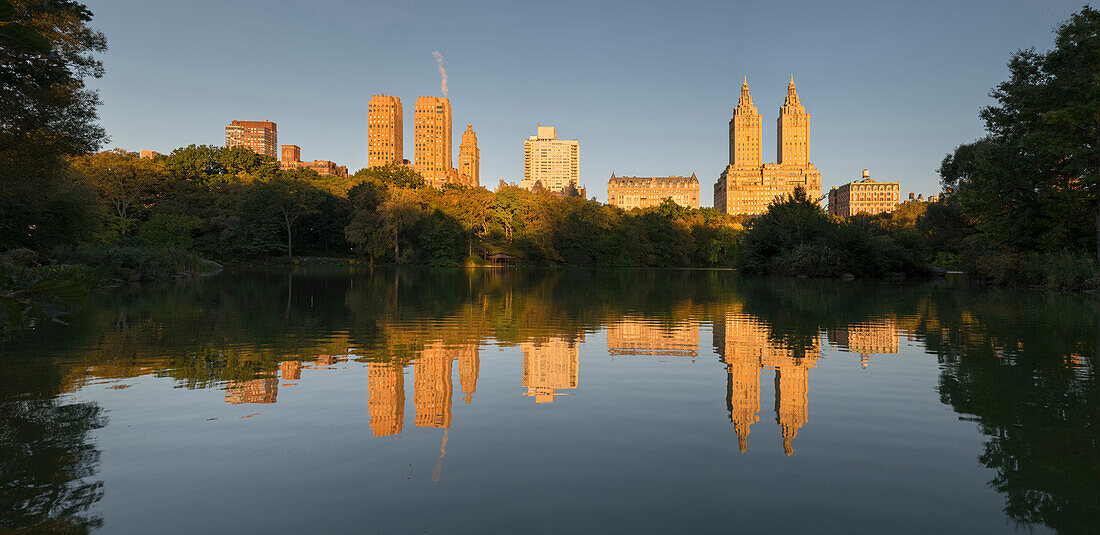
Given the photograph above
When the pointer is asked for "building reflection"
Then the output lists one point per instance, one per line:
(386, 405)
(879, 336)
(255, 391)
(291, 370)
(747, 348)
(433, 387)
(550, 366)
(633, 337)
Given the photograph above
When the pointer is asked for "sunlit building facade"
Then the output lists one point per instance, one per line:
(432, 141)
(469, 158)
(630, 192)
(385, 131)
(290, 157)
(747, 186)
(549, 162)
(865, 196)
(260, 136)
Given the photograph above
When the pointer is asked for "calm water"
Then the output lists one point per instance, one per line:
(447, 401)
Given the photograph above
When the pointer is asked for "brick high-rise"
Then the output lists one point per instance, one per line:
(260, 136)
(385, 131)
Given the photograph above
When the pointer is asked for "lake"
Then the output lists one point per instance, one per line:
(341, 399)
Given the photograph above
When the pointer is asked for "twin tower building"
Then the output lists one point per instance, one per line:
(431, 139)
(747, 185)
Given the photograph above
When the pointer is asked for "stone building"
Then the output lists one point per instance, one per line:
(432, 141)
(629, 192)
(469, 158)
(291, 158)
(551, 162)
(865, 196)
(748, 186)
(260, 136)
(149, 154)
(385, 131)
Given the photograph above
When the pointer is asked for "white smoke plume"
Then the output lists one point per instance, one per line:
(442, 72)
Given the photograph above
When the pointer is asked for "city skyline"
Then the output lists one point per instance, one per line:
(896, 107)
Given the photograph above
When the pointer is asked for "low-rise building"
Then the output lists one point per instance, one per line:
(629, 192)
(291, 158)
(864, 196)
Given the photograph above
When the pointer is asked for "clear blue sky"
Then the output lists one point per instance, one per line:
(647, 87)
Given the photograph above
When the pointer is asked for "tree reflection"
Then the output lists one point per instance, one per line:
(47, 466)
(1020, 364)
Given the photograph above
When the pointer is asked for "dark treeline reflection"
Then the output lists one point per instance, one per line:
(1020, 364)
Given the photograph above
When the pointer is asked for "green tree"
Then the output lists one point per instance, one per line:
(1033, 184)
(392, 174)
(46, 113)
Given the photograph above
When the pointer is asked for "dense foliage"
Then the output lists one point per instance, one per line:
(1029, 192)
(796, 237)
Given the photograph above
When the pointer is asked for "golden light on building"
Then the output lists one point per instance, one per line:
(629, 192)
(432, 141)
(746, 346)
(290, 157)
(260, 136)
(748, 186)
(469, 158)
(551, 162)
(386, 404)
(549, 367)
(865, 196)
(631, 337)
(385, 131)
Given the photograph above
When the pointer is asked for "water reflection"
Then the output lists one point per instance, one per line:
(1020, 364)
(747, 347)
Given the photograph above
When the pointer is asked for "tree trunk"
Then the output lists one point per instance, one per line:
(396, 244)
(1096, 217)
(288, 251)
(470, 247)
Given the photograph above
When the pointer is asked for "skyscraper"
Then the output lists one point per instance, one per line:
(432, 140)
(747, 186)
(552, 162)
(260, 136)
(385, 131)
(469, 158)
